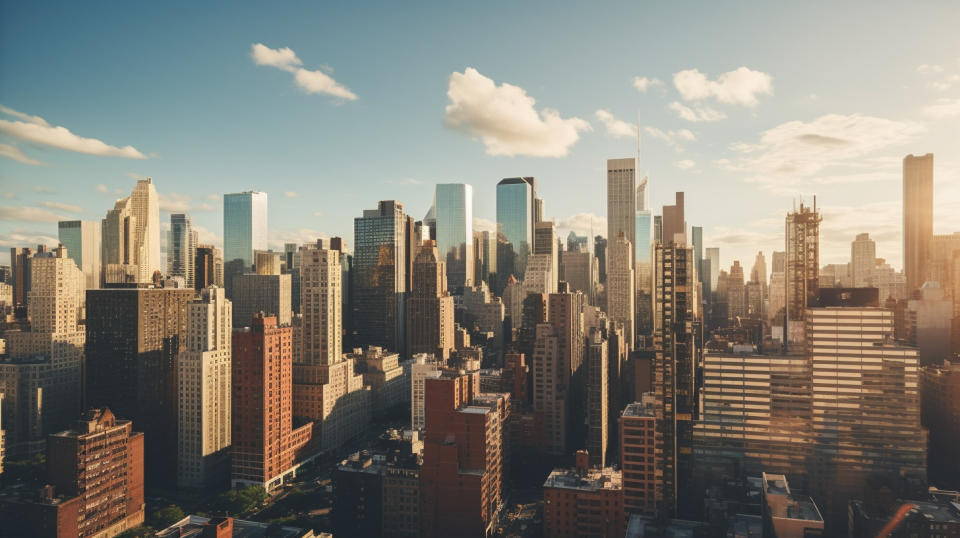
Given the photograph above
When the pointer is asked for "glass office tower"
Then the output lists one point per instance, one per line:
(514, 226)
(244, 226)
(82, 239)
(453, 203)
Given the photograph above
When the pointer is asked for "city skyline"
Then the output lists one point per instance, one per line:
(809, 129)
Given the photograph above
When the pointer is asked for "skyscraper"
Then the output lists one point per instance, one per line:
(863, 258)
(674, 222)
(620, 285)
(182, 249)
(203, 384)
(429, 306)
(515, 220)
(917, 217)
(146, 211)
(130, 236)
(736, 292)
(598, 395)
(622, 201)
(380, 273)
(82, 239)
(545, 244)
(265, 443)
(454, 214)
(801, 268)
(208, 267)
(713, 254)
(676, 340)
(244, 226)
(696, 233)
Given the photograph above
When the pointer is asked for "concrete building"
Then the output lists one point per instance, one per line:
(42, 376)
(327, 388)
(786, 514)
(539, 276)
(20, 281)
(131, 236)
(182, 249)
(463, 457)
(545, 245)
(252, 293)
(82, 241)
(430, 313)
(203, 385)
(208, 267)
(265, 442)
(674, 222)
(598, 396)
(622, 203)
(801, 268)
(641, 474)
(713, 254)
(100, 461)
(736, 292)
(583, 501)
(579, 270)
(940, 405)
(917, 217)
(387, 377)
(424, 367)
(863, 257)
(134, 338)
(929, 319)
(620, 285)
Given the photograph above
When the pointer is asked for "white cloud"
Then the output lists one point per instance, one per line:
(13, 152)
(738, 87)
(672, 138)
(697, 113)
(291, 194)
(642, 84)
(213, 197)
(309, 81)
(927, 69)
(792, 153)
(44, 190)
(29, 214)
(505, 119)
(135, 176)
(37, 131)
(943, 108)
(103, 188)
(685, 164)
(174, 202)
(278, 237)
(62, 206)
(616, 128)
(404, 181)
(318, 214)
(484, 225)
(23, 238)
(582, 224)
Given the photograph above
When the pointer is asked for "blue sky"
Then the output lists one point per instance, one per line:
(381, 101)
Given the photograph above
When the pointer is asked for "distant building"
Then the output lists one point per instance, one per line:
(387, 377)
(929, 319)
(863, 256)
(244, 227)
(424, 367)
(917, 217)
(622, 203)
(583, 501)
(182, 249)
(253, 293)
(801, 268)
(453, 203)
(620, 286)
(516, 216)
(209, 267)
(940, 397)
(674, 222)
(130, 237)
(430, 316)
(82, 241)
(579, 270)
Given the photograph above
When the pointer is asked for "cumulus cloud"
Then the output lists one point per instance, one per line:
(71, 208)
(309, 81)
(943, 108)
(672, 138)
(13, 152)
(926, 69)
(278, 237)
(36, 130)
(741, 86)
(697, 113)
(642, 84)
(22, 238)
(505, 120)
(29, 214)
(616, 128)
(793, 152)
(103, 188)
(403, 181)
(291, 194)
(175, 202)
(484, 225)
(582, 224)
(685, 164)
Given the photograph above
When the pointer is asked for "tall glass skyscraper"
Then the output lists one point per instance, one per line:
(453, 203)
(182, 248)
(244, 226)
(515, 203)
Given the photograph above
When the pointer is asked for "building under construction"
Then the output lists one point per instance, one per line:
(802, 270)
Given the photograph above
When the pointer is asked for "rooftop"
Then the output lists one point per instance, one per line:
(639, 409)
(192, 527)
(593, 480)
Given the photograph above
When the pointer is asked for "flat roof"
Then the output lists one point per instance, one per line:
(593, 480)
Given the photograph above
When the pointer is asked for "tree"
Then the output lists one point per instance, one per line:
(166, 516)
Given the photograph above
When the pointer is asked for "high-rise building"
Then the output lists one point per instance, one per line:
(130, 237)
(463, 456)
(203, 385)
(545, 244)
(622, 202)
(917, 217)
(736, 292)
(940, 405)
(643, 236)
(146, 211)
(424, 367)
(268, 293)
(99, 460)
(515, 219)
(866, 410)
(20, 267)
(620, 285)
(485, 257)
(929, 317)
(42, 376)
(713, 254)
(208, 267)
(863, 258)
(801, 268)
(381, 276)
(637, 459)
(676, 339)
(82, 240)
(583, 501)
(429, 306)
(134, 337)
(674, 222)
(265, 443)
(600, 251)
(182, 249)
(454, 222)
(387, 377)
(327, 388)
(244, 226)
(579, 270)
(598, 396)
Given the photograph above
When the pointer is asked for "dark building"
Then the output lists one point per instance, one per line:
(134, 337)
(847, 297)
(600, 251)
(205, 267)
